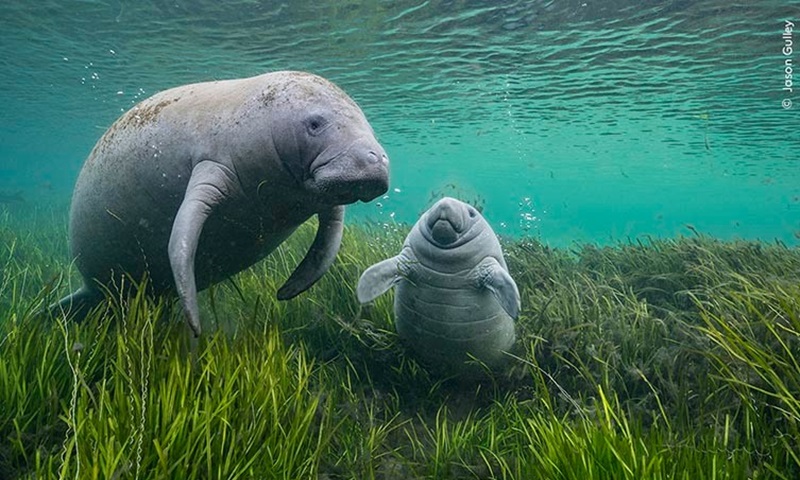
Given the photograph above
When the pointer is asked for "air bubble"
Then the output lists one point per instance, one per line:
(528, 218)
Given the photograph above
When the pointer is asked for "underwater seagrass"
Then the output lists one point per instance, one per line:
(455, 298)
(202, 181)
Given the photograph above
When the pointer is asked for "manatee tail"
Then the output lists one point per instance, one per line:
(77, 305)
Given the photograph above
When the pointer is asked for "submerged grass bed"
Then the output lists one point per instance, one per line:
(663, 359)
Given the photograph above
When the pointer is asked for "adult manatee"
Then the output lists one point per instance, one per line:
(455, 298)
(199, 182)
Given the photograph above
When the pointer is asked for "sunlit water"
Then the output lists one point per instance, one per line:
(568, 120)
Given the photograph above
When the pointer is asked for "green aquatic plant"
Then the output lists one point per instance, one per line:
(139, 400)
(754, 327)
(655, 359)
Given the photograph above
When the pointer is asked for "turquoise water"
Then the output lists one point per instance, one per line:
(568, 120)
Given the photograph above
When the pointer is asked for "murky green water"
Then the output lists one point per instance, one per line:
(570, 120)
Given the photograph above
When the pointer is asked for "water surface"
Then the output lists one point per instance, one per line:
(568, 120)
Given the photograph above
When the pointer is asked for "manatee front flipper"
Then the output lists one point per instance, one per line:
(319, 257)
(490, 274)
(209, 185)
(378, 278)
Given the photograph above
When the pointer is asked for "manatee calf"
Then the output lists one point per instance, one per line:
(454, 297)
(202, 181)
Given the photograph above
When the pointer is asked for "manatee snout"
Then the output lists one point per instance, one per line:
(360, 173)
(373, 184)
(374, 165)
(448, 219)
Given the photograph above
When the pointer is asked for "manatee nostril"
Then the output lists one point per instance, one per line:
(374, 157)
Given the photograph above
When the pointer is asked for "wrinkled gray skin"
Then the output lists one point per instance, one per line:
(454, 297)
(202, 181)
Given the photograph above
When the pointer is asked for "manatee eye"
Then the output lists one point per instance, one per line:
(315, 124)
(472, 212)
